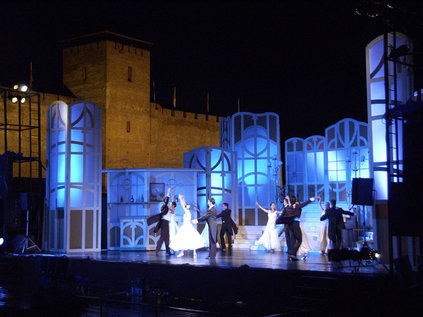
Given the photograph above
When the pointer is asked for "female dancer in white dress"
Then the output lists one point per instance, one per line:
(304, 248)
(324, 238)
(270, 238)
(173, 226)
(187, 237)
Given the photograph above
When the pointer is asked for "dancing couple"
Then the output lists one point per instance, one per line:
(291, 217)
(187, 237)
(336, 224)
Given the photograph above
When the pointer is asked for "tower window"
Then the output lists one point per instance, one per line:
(129, 73)
(84, 73)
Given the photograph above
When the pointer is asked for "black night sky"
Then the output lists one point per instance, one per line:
(304, 60)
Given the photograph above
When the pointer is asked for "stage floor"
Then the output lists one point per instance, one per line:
(239, 258)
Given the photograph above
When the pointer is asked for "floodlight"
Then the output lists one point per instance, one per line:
(20, 87)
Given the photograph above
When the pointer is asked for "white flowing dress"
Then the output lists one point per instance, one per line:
(173, 227)
(205, 235)
(304, 248)
(270, 238)
(187, 237)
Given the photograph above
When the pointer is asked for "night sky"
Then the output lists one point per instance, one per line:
(304, 60)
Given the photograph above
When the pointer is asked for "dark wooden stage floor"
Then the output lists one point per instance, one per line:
(237, 258)
(240, 283)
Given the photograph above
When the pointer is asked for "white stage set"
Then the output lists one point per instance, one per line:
(245, 168)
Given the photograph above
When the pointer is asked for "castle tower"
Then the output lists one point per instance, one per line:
(113, 71)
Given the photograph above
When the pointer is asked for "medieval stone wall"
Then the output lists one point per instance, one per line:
(136, 132)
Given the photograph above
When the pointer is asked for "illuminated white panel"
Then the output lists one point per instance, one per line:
(377, 90)
(378, 109)
(219, 176)
(379, 141)
(376, 54)
(381, 185)
(320, 167)
(255, 139)
(401, 91)
(73, 177)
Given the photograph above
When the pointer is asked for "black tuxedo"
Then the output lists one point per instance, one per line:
(210, 218)
(336, 224)
(163, 225)
(228, 226)
(293, 233)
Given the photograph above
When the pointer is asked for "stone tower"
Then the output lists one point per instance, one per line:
(113, 71)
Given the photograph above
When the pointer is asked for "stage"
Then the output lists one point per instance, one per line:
(237, 283)
(236, 259)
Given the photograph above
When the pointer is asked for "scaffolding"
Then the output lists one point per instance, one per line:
(22, 188)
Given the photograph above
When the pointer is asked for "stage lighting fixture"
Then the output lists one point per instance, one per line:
(1, 241)
(20, 87)
(345, 254)
(15, 99)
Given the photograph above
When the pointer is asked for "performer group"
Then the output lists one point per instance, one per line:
(186, 239)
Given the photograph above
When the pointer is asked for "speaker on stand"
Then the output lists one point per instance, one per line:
(27, 243)
(362, 194)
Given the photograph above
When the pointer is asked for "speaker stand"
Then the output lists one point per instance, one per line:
(27, 243)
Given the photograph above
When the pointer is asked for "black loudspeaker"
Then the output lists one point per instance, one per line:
(26, 201)
(362, 191)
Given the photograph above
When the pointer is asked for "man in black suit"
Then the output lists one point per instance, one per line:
(210, 217)
(162, 220)
(228, 226)
(336, 223)
(291, 216)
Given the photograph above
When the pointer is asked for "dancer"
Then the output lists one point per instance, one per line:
(210, 218)
(228, 226)
(163, 223)
(291, 216)
(324, 239)
(305, 247)
(173, 226)
(285, 226)
(187, 237)
(270, 238)
(336, 224)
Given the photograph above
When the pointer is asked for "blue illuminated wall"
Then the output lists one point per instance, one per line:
(399, 92)
(255, 139)
(325, 166)
(73, 177)
(217, 178)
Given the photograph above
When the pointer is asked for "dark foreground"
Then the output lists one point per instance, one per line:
(242, 283)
